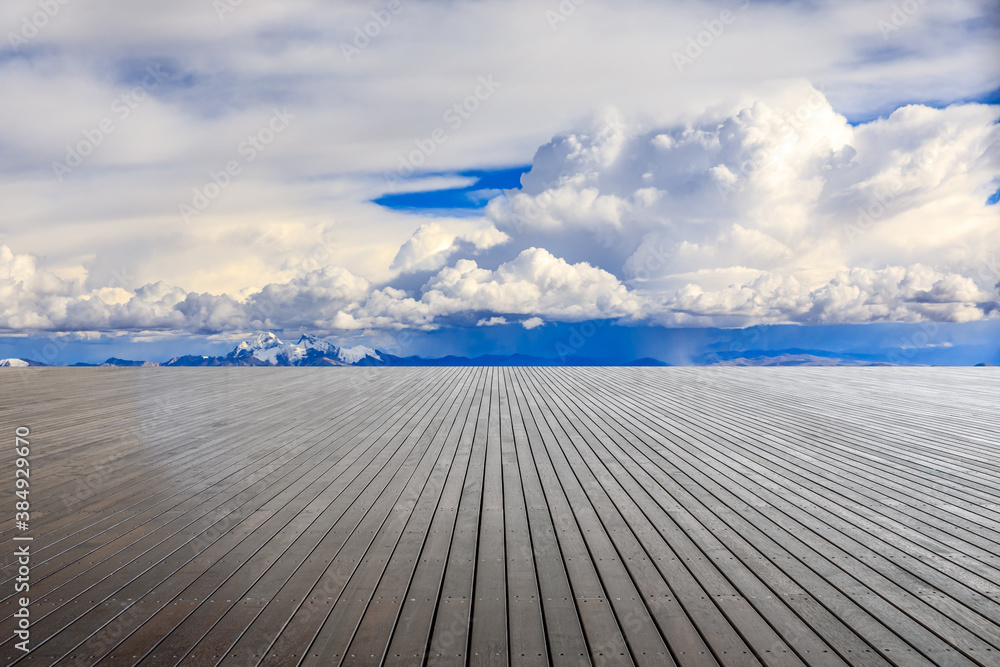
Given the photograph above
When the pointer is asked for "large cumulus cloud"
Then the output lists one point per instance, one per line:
(535, 282)
(326, 299)
(773, 210)
(434, 243)
(34, 299)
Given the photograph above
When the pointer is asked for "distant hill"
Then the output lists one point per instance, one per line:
(268, 350)
(488, 360)
(647, 361)
(797, 360)
(116, 362)
(790, 357)
(19, 363)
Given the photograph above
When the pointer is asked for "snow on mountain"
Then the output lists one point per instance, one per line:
(269, 354)
(311, 342)
(352, 355)
(265, 347)
(18, 363)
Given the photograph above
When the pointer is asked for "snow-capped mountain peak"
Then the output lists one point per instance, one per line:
(266, 349)
(263, 341)
(352, 355)
(311, 342)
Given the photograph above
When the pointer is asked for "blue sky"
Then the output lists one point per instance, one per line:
(451, 200)
(177, 178)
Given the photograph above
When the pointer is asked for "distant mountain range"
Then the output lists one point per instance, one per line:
(792, 357)
(266, 349)
(269, 350)
(797, 360)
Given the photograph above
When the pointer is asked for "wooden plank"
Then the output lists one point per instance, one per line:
(526, 625)
(532, 515)
(248, 493)
(982, 626)
(369, 645)
(376, 587)
(564, 634)
(913, 638)
(488, 641)
(294, 544)
(631, 607)
(320, 581)
(449, 642)
(411, 636)
(715, 606)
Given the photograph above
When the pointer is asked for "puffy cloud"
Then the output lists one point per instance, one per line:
(210, 313)
(532, 323)
(535, 282)
(433, 243)
(748, 214)
(314, 300)
(119, 208)
(772, 210)
(859, 296)
(33, 299)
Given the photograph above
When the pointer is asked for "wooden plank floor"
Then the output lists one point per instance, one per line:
(497, 516)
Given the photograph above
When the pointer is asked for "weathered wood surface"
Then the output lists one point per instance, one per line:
(495, 516)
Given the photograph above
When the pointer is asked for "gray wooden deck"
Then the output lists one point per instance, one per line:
(568, 516)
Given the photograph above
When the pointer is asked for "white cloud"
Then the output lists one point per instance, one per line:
(535, 282)
(315, 300)
(433, 243)
(532, 323)
(33, 299)
(354, 119)
(661, 205)
(859, 296)
(757, 213)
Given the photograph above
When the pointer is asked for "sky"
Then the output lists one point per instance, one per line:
(481, 177)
